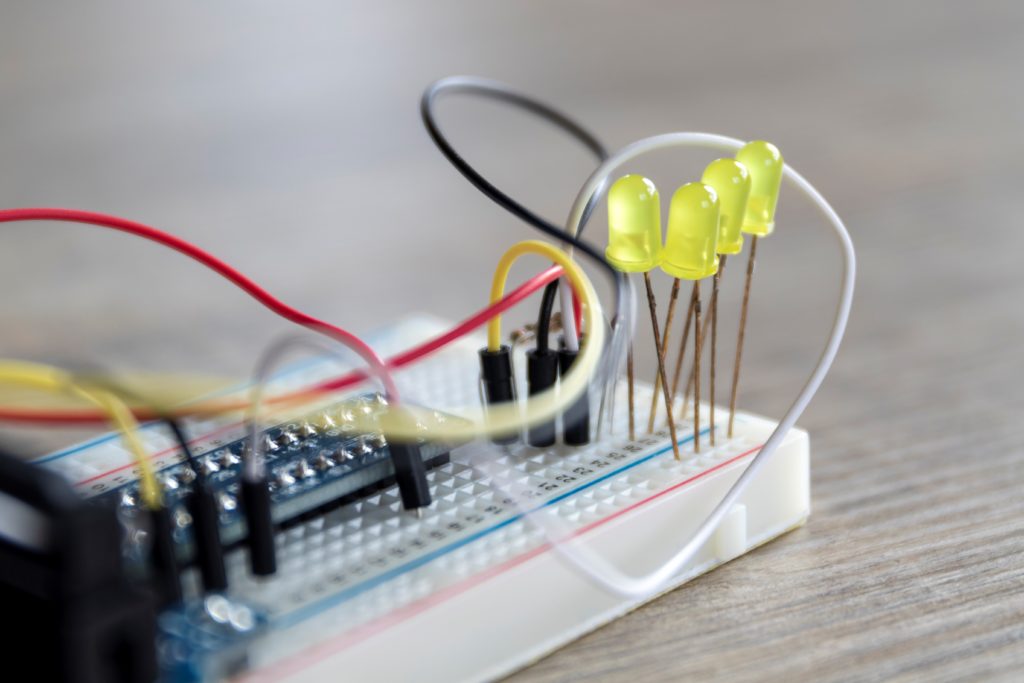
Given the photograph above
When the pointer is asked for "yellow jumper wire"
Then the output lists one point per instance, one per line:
(55, 380)
(502, 419)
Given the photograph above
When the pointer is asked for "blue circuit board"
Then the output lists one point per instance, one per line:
(205, 639)
(313, 462)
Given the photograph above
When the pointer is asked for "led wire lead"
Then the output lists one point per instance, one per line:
(580, 557)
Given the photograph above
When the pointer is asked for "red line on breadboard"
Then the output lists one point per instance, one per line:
(317, 653)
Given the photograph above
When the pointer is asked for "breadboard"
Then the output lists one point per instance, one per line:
(473, 590)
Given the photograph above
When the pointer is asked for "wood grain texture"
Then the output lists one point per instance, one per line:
(287, 141)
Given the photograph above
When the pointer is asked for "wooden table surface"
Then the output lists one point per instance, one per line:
(287, 140)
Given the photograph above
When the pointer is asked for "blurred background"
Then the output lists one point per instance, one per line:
(286, 138)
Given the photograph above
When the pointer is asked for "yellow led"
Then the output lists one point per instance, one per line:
(692, 233)
(634, 225)
(731, 182)
(764, 162)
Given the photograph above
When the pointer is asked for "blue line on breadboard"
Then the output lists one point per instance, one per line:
(316, 608)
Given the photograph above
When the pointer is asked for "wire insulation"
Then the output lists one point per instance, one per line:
(572, 271)
(52, 379)
(351, 379)
(547, 305)
(499, 419)
(507, 418)
(218, 266)
(483, 87)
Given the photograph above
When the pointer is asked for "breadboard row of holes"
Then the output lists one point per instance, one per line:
(374, 558)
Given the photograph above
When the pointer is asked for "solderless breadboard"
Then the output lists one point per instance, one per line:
(472, 590)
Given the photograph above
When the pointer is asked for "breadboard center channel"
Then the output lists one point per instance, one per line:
(472, 590)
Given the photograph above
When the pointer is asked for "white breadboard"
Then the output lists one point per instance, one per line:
(472, 591)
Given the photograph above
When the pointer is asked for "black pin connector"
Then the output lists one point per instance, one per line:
(260, 523)
(164, 563)
(541, 373)
(206, 537)
(499, 383)
(202, 506)
(410, 474)
(576, 418)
